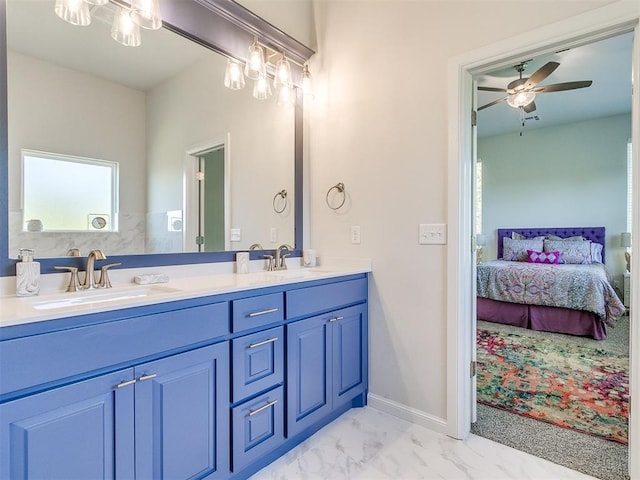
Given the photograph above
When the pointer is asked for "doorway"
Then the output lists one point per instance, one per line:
(602, 23)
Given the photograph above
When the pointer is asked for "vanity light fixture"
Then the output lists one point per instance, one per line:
(76, 12)
(233, 77)
(259, 58)
(124, 30)
(127, 20)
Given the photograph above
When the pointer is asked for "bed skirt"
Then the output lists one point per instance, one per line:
(542, 318)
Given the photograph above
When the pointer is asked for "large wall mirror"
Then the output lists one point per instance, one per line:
(141, 151)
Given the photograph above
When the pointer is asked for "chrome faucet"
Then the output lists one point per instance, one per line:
(89, 277)
(280, 263)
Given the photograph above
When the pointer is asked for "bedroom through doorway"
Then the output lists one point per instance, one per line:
(549, 374)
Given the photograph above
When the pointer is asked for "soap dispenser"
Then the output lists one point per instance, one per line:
(27, 274)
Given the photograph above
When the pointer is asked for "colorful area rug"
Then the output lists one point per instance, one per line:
(576, 387)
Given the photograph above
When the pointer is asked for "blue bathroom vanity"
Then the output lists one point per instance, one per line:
(209, 386)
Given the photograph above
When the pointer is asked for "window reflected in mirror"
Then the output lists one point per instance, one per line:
(62, 193)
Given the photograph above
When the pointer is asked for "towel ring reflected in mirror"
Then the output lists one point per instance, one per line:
(339, 187)
(283, 195)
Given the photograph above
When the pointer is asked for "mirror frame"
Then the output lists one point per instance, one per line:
(223, 26)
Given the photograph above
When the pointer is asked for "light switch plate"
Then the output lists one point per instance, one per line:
(432, 234)
(235, 235)
(355, 235)
(273, 234)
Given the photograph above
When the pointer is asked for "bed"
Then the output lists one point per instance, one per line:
(523, 290)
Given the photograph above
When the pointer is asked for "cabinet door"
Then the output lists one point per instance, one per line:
(308, 372)
(69, 432)
(182, 415)
(349, 332)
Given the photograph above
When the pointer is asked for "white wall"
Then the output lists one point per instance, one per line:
(196, 108)
(572, 175)
(378, 124)
(59, 110)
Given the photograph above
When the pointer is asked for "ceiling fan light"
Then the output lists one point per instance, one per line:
(521, 99)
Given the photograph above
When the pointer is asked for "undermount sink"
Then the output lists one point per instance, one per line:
(95, 297)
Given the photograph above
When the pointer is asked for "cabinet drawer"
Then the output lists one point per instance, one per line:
(258, 362)
(255, 312)
(312, 300)
(32, 361)
(257, 428)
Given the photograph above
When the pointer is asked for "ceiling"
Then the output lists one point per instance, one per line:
(34, 29)
(607, 63)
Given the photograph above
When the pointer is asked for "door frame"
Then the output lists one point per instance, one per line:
(190, 191)
(616, 18)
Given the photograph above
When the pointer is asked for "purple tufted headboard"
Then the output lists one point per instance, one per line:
(595, 234)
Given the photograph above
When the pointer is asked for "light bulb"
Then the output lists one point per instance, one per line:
(255, 66)
(124, 30)
(233, 77)
(283, 73)
(261, 88)
(286, 96)
(146, 13)
(521, 99)
(76, 12)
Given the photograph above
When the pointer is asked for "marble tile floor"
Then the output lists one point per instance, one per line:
(367, 444)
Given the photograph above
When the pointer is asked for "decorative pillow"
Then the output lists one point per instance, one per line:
(519, 236)
(516, 250)
(596, 252)
(575, 238)
(543, 257)
(571, 251)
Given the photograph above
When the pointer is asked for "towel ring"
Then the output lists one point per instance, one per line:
(340, 188)
(283, 194)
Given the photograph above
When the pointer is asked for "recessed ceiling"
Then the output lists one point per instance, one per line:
(34, 29)
(606, 62)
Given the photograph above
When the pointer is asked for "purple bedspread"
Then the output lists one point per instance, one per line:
(578, 287)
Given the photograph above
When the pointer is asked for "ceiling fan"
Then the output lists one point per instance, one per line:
(522, 92)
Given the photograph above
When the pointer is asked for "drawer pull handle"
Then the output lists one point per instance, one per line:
(335, 319)
(147, 377)
(263, 312)
(263, 342)
(259, 409)
(126, 383)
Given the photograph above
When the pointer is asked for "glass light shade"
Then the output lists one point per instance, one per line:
(307, 83)
(521, 99)
(261, 88)
(146, 13)
(285, 96)
(124, 30)
(283, 73)
(233, 77)
(255, 66)
(76, 12)
(625, 239)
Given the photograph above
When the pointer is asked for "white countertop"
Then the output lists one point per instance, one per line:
(48, 306)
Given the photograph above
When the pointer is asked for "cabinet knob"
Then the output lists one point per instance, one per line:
(263, 342)
(262, 312)
(335, 319)
(147, 377)
(126, 383)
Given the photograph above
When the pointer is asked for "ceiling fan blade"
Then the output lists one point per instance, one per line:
(559, 87)
(540, 74)
(495, 102)
(530, 107)
(492, 89)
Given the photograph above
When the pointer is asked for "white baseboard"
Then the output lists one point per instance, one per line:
(407, 413)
